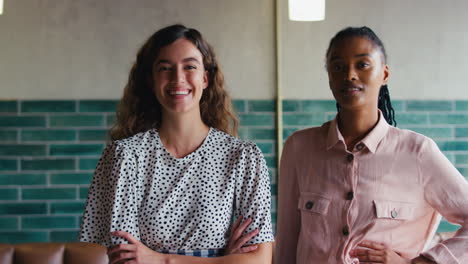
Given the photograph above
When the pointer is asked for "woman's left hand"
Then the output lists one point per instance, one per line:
(374, 252)
(133, 253)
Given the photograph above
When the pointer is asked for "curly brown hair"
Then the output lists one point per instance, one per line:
(139, 110)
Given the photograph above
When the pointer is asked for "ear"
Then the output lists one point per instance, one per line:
(386, 74)
(205, 80)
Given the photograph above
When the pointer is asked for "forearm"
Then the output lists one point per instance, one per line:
(262, 255)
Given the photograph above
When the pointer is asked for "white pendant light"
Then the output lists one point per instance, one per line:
(1, 7)
(306, 10)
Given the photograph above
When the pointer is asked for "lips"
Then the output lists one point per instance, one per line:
(179, 91)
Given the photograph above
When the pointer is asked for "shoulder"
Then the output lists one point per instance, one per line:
(221, 138)
(409, 139)
(137, 143)
(311, 134)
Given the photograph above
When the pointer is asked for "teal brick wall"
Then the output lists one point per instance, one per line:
(49, 149)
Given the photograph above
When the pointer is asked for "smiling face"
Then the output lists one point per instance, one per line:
(356, 71)
(179, 77)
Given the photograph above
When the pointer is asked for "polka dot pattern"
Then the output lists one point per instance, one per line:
(172, 203)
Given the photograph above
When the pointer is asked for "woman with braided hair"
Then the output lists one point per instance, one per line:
(359, 190)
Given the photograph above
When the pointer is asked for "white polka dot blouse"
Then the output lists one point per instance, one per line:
(172, 203)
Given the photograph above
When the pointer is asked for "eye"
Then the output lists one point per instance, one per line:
(363, 65)
(163, 68)
(190, 67)
(336, 67)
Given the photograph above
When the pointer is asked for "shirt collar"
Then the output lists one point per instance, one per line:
(371, 141)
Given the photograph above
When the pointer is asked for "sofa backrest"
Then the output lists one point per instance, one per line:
(53, 253)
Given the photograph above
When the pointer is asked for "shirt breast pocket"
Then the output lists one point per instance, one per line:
(394, 210)
(313, 208)
(313, 203)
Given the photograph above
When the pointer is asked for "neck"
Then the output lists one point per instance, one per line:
(354, 125)
(182, 134)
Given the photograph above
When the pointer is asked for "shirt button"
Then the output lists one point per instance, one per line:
(349, 195)
(345, 230)
(309, 205)
(350, 157)
(360, 146)
(394, 213)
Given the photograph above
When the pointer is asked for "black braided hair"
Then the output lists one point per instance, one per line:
(384, 103)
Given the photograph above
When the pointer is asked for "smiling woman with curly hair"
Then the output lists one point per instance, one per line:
(175, 176)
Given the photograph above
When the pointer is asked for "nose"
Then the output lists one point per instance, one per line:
(350, 74)
(178, 76)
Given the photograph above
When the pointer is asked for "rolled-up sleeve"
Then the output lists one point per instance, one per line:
(253, 197)
(446, 190)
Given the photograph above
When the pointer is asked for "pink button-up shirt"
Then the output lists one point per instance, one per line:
(389, 189)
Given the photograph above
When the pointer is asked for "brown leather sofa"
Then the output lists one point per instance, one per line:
(53, 253)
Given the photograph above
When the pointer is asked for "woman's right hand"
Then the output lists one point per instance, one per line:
(237, 240)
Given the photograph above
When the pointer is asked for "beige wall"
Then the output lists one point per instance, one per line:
(70, 49)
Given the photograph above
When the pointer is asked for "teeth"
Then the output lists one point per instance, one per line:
(179, 92)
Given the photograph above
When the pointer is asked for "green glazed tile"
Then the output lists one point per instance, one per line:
(445, 226)
(48, 106)
(261, 105)
(257, 120)
(271, 162)
(8, 106)
(93, 135)
(76, 150)
(22, 179)
(262, 133)
(110, 120)
(48, 222)
(455, 119)
(88, 164)
(48, 193)
(266, 147)
(318, 106)
(98, 106)
(461, 159)
(48, 135)
(398, 105)
(411, 119)
(22, 121)
(23, 208)
(22, 150)
(463, 171)
(76, 120)
(64, 236)
(8, 165)
(450, 156)
(461, 105)
(461, 132)
(239, 106)
(273, 189)
(8, 194)
(453, 145)
(48, 164)
(71, 178)
(8, 135)
(288, 132)
(243, 132)
(433, 132)
(303, 119)
(291, 105)
(23, 237)
(83, 192)
(8, 223)
(67, 208)
(428, 106)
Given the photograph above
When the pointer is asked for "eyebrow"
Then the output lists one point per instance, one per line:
(356, 56)
(189, 59)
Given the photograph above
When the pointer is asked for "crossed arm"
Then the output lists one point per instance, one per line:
(137, 253)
